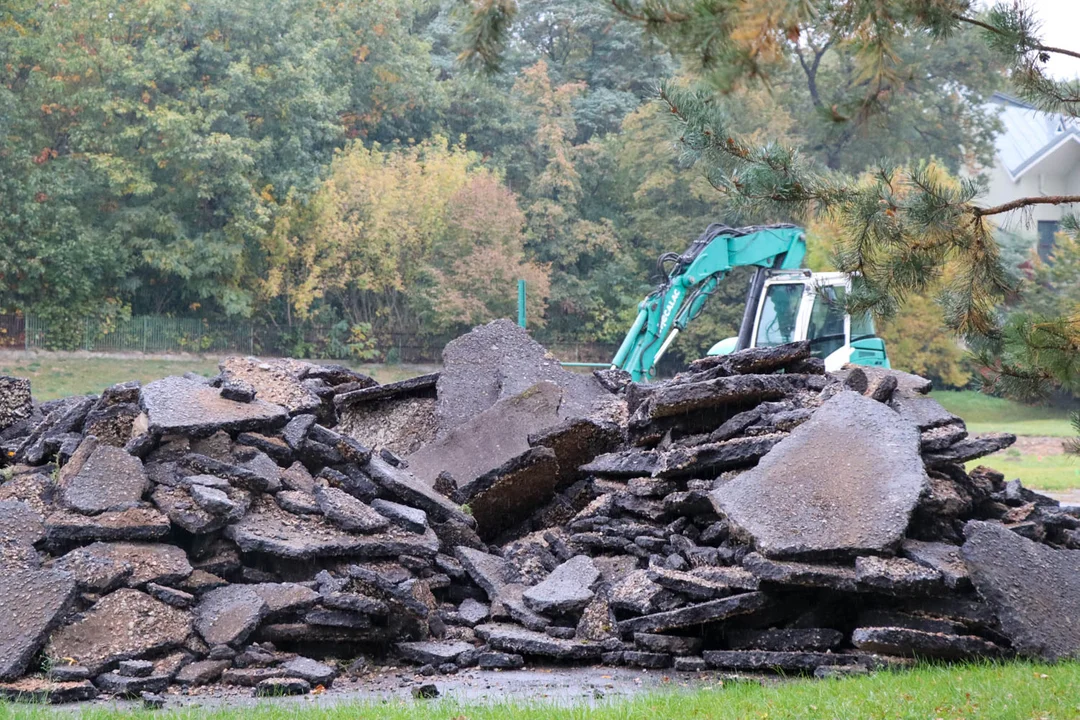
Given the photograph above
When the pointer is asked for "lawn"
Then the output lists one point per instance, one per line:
(1006, 691)
(1045, 472)
(52, 377)
(985, 413)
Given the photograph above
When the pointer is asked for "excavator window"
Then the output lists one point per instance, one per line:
(826, 331)
(779, 311)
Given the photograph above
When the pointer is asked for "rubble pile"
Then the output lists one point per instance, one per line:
(264, 527)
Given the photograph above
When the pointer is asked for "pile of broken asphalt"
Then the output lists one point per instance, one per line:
(268, 526)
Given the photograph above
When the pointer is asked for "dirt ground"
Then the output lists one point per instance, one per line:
(1040, 446)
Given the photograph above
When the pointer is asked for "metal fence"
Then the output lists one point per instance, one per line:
(141, 334)
(154, 334)
(12, 331)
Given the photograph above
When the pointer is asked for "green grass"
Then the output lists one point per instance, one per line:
(1007, 691)
(53, 377)
(985, 413)
(1047, 472)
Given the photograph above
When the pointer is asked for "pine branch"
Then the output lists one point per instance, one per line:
(1038, 47)
(1025, 202)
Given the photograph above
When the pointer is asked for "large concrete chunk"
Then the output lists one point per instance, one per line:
(513, 639)
(843, 483)
(31, 603)
(269, 529)
(179, 405)
(784, 662)
(753, 360)
(706, 612)
(680, 398)
(919, 643)
(490, 438)
(512, 492)
(139, 523)
(500, 360)
(123, 625)
(1034, 589)
(411, 491)
(970, 449)
(228, 615)
(420, 386)
(144, 562)
(567, 589)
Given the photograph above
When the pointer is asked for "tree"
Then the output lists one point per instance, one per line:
(413, 239)
(165, 136)
(577, 249)
(901, 225)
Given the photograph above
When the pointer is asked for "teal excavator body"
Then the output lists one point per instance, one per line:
(777, 251)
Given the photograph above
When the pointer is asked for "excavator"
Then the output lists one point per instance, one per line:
(785, 303)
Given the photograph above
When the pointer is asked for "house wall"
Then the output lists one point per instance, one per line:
(1055, 176)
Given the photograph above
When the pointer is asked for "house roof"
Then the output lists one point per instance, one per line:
(1030, 135)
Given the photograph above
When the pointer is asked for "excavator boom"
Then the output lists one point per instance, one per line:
(693, 277)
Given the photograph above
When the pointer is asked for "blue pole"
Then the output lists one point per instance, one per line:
(521, 302)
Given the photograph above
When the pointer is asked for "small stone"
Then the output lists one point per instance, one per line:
(690, 664)
(171, 596)
(473, 612)
(500, 661)
(348, 513)
(670, 644)
(564, 633)
(314, 672)
(434, 653)
(68, 673)
(412, 519)
(823, 672)
(566, 589)
(652, 660)
(282, 687)
(425, 692)
(297, 502)
(131, 686)
(238, 391)
(213, 500)
(135, 668)
(250, 677)
(152, 701)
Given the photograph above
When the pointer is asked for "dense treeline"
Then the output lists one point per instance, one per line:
(319, 162)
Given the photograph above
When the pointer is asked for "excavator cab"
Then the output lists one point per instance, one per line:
(801, 305)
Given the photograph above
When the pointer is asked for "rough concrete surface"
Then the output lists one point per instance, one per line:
(821, 491)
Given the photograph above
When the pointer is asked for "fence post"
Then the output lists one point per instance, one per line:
(521, 302)
(144, 319)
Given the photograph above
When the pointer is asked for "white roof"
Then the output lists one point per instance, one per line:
(1030, 135)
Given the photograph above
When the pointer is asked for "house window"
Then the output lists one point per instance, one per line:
(1047, 230)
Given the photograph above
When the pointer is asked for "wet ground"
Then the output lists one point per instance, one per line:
(561, 685)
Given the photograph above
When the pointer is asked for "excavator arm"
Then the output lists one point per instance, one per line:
(693, 277)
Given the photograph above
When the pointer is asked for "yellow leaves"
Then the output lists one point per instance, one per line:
(361, 53)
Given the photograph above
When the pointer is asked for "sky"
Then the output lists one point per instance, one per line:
(1060, 28)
